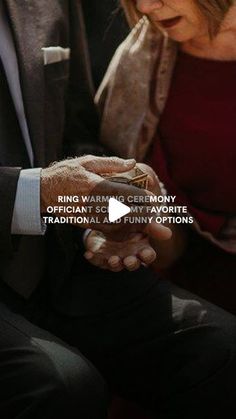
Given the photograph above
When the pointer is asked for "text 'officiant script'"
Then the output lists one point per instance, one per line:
(92, 210)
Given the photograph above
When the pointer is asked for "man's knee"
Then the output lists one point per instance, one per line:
(77, 381)
(85, 386)
(55, 381)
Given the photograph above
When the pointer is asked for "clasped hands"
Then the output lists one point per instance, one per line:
(108, 246)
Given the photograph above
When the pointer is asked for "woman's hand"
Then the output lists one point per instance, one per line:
(116, 256)
(171, 249)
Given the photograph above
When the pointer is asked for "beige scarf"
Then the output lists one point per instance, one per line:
(134, 91)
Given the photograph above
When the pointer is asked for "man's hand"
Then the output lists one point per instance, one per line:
(81, 177)
(115, 256)
(78, 176)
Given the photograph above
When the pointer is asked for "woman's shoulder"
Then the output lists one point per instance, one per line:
(139, 50)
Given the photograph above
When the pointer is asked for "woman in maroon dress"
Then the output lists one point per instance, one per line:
(168, 99)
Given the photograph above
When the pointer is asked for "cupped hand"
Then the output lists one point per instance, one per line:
(116, 256)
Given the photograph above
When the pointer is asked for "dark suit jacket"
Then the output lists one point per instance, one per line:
(106, 28)
(60, 114)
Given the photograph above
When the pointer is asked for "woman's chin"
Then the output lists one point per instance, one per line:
(179, 36)
(180, 32)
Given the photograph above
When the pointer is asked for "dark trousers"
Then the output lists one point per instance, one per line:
(42, 377)
(169, 351)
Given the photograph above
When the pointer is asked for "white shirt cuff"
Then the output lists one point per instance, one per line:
(86, 234)
(26, 218)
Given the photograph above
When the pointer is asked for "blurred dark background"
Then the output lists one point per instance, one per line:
(106, 28)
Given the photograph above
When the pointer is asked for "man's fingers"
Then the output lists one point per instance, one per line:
(131, 263)
(147, 255)
(95, 259)
(88, 255)
(135, 237)
(115, 264)
(107, 164)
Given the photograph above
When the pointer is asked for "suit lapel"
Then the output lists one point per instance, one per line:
(27, 33)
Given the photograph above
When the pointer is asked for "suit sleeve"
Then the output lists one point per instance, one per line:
(8, 186)
(82, 121)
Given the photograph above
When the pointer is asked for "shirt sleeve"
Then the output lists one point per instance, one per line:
(26, 218)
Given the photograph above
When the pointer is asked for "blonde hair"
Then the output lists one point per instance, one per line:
(213, 10)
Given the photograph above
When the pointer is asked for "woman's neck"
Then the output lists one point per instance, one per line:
(221, 47)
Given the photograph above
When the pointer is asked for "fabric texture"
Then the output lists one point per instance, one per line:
(26, 217)
(9, 59)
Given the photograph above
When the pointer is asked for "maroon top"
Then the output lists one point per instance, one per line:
(194, 154)
(195, 150)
